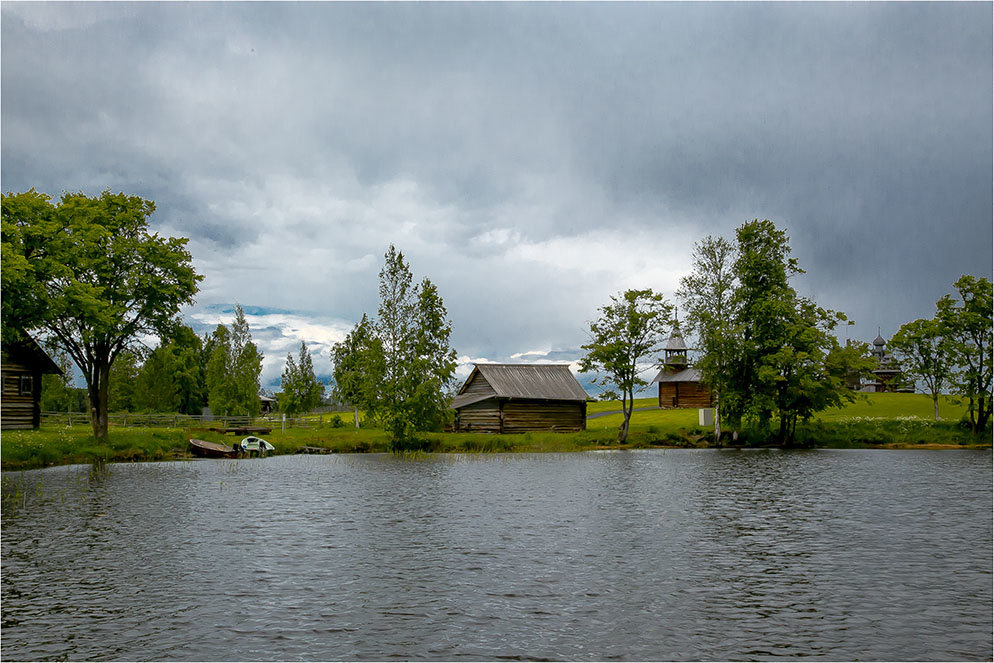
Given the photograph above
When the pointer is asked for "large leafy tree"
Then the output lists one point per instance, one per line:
(172, 377)
(300, 390)
(419, 363)
(233, 369)
(966, 319)
(89, 274)
(925, 354)
(359, 368)
(123, 378)
(769, 355)
(789, 365)
(400, 367)
(623, 341)
(707, 296)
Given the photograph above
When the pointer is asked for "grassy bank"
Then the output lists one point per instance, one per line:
(879, 420)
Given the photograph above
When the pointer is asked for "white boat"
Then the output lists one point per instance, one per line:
(257, 445)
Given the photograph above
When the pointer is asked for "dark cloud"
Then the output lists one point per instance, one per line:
(512, 148)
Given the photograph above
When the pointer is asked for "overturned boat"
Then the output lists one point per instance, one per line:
(206, 449)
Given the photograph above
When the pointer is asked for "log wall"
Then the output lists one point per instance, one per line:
(560, 416)
(19, 411)
(521, 416)
(479, 417)
(674, 395)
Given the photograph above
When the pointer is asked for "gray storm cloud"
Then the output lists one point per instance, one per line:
(530, 159)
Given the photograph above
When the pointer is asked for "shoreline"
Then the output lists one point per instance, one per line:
(183, 454)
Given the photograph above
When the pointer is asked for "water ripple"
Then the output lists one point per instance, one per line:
(689, 555)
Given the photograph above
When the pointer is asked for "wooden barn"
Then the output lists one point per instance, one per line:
(517, 398)
(680, 385)
(22, 365)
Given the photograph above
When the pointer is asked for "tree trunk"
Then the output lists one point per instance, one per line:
(782, 435)
(98, 391)
(935, 405)
(626, 407)
(356, 416)
(983, 414)
(717, 423)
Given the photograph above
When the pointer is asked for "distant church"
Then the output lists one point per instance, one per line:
(887, 373)
(680, 385)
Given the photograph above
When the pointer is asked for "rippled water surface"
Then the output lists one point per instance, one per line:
(842, 555)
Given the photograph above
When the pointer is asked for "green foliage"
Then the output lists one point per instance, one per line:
(57, 392)
(233, 368)
(706, 294)
(123, 375)
(301, 391)
(769, 355)
(925, 353)
(400, 367)
(359, 368)
(630, 330)
(90, 274)
(967, 322)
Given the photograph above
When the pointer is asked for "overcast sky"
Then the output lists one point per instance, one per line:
(531, 159)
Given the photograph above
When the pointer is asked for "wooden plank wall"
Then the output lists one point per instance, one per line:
(17, 411)
(673, 395)
(479, 417)
(522, 416)
(478, 385)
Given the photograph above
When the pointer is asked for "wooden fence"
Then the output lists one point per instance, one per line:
(129, 419)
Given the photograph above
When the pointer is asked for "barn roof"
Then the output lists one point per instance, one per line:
(27, 352)
(686, 375)
(554, 382)
(676, 342)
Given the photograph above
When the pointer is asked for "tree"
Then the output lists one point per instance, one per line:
(233, 369)
(399, 367)
(630, 329)
(359, 368)
(301, 391)
(706, 294)
(768, 355)
(967, 324)
(90, 274)
(57, 392)
(419, 364)
(172, 377)
(925, 353)
(123, 376)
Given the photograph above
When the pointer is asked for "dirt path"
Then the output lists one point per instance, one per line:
(596, 415)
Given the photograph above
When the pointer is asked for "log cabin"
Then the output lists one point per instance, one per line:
(21, 367)
(518, 398)
(680, 386)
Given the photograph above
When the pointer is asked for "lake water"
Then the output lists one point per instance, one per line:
(682, 554)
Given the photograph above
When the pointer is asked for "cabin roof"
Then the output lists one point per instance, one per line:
(538, 381)
(28, 353)
(676, 342)
(686, 375)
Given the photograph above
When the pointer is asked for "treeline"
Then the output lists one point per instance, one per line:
(953, 349)
(769, 356)
(185, 373)
(399, 367)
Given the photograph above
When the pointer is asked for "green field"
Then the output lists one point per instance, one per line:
(874, 420)
(887, 406)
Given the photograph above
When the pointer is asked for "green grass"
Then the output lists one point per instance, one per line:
(608, 406)
(873, 420)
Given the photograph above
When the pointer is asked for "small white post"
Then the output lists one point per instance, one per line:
(284, 422)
